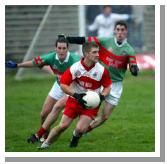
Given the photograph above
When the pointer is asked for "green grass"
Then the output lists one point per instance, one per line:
(129, 129)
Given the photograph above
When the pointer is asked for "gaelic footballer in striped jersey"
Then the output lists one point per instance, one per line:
(115, 55)
(87, 74)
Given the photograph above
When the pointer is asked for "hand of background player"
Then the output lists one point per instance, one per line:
(102, 98)
(134, 70)
(79, 98)
(61, 36)
(10, 64)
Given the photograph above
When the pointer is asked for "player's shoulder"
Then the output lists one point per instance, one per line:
(75, 68)
(99, 67)
(99, 17)
(105, 39)
(130, 48)
(50, 54)
(74, 56)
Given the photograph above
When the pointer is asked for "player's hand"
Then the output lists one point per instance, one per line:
(10, 64)
(61, 36)
(79, 98)
(134, 70)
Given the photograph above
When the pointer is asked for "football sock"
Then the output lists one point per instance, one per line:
(40, 132)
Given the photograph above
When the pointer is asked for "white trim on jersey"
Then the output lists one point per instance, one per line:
(77, 70)
(66, 59)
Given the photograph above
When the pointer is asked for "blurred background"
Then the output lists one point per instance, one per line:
(32, 30)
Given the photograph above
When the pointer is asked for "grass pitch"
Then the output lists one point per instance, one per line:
(129, 129)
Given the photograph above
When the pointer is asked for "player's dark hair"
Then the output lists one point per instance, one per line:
(61, 40)
(121, 23)
(106, 6)
(86, 47)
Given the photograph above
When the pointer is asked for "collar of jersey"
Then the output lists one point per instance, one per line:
(85, 66)
(66, 59)
(125, 41)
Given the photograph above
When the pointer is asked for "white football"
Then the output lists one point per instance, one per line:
(92, 99)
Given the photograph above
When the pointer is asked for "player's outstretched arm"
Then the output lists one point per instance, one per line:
(12, 64)
(74, 39)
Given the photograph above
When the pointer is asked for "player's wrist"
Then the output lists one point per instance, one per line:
(75, 95)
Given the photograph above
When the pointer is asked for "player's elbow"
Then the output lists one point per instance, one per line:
(67, 89)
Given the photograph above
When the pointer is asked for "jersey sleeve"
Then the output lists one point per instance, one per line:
(106, 81)
(97, 40)
(132, 57)
(66, 77)
(45, 59)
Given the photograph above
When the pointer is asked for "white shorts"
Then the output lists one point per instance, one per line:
(56, 91)
(115, 93)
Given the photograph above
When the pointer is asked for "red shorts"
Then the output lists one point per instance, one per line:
(74, 109)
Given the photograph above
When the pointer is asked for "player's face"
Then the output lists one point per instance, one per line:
(61, 50)
(93, 55)
(120, 32)
(107, 11)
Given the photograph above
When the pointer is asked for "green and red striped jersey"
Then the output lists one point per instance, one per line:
(55, 64)
(114, 57)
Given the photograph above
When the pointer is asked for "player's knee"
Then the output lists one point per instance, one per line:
(45, 111)
(42, 115)
(80, 129)
(64, 126)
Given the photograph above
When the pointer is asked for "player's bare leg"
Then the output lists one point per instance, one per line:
(47, 107)
(50, 119)
(56, 131)
(53, 115)
(106, 112)
(81, 127)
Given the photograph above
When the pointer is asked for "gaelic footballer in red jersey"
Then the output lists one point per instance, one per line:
(115, 54)
(87, 74)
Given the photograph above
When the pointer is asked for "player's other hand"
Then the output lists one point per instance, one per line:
(61, 36)
(134, 70)
(102, 98)
(10, 64)
(79, 98)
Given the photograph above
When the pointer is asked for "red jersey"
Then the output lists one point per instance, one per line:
(84, 78)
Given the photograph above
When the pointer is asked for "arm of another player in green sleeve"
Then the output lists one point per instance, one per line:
(42, 60)
(132, 56)
(26, 64)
